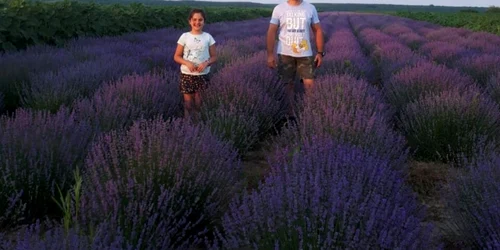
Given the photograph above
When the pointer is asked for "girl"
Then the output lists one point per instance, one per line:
(195, 53)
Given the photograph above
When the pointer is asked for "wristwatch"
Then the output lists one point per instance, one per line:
(321, 53)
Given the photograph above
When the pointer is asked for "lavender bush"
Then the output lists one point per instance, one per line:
(116, 105)
(472, 200)
(243, 107)
(493, 87)
(443, 52)
(450, 124)
(38, 152)
(47, 236)
(348, 110)
(232, 123)
(448, 34)
(392, 57)
(348, 56)
(330, 196)
(481, 45)
(2, 106)
(50, 90)
(164, 183)
(480, 66)
(420, 80)
(250, 70)
(412, 40)
(17, 68)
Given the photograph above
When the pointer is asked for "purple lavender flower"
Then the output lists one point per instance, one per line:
(391, 57)
(117, 105)
(473, 199)
(448, 34)
(17, 68)
(481, 45)
(420, 80)
(348, 56)
(485, 36)
(493, 87)
(242, 107)
(350, 111)
(451, 124)
(396, 29)
(50, 90)
(38, 153)
(443, 52)
(412, 40)
(329, 195)
(159, 181)
(46, 236)
(480, 66)
(2, 105)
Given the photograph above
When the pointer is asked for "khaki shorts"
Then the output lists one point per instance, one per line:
(289, 66)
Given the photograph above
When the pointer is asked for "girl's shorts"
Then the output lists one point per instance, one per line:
(191, 84)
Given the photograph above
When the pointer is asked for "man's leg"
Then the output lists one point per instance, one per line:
(287, 69)
(306, 70)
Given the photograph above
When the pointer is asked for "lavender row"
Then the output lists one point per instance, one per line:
(116, 105)
(477, 55)
(478, 42)
(243, 102)
(158, 184)
(29, 78)
(345, 54)
(442, 103)
(327, 195)
(404, 76)
(472, 205)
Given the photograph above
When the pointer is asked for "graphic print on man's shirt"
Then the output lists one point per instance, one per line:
(296, 23)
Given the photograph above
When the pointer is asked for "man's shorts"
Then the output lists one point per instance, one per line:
(289, 66)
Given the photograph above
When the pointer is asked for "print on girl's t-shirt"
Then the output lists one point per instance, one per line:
(196, 50)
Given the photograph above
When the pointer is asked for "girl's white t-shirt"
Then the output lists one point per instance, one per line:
(196, 50)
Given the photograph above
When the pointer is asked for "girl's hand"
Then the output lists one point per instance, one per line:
(202, 66)
(191, 66)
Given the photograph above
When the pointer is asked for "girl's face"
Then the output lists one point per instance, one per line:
(197, 22)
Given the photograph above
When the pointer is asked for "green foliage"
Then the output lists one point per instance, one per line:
(469, 11)
(493, 9)
(488, 22)
(25, 23)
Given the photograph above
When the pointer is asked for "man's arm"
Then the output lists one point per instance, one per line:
(318, 35)
(271, 38)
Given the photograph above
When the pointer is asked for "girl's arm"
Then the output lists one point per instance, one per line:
(178, 55)
(178, 58)
(213, 55)
(210, 61)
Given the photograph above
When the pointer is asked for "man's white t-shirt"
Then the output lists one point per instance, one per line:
(196, 50)
(294, 24)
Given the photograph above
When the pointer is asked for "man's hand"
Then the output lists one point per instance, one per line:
(318, 60)
(271, 61)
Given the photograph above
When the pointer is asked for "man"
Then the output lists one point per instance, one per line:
(294, 20)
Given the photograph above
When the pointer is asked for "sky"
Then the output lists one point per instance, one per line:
(469, 3)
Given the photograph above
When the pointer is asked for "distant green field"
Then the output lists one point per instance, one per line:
(489, 22)
(26, 23)
(319, 6)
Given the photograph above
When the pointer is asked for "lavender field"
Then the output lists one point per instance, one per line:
(395, 148)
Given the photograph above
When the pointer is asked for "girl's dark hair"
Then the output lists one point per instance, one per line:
(194, 11)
